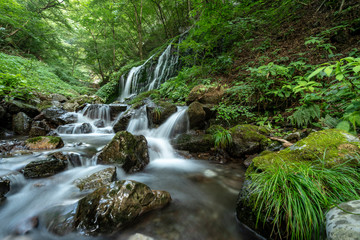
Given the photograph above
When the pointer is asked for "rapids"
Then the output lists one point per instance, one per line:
(204, 194)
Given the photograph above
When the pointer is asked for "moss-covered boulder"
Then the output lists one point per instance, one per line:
(97, 179)
(21, 123)
(111, 207)
(197, 115)
(193, 142)
(55, 163)
(335, 146)
(205, 94)
(15, 106)
(160, 112)
(127, 150)
(247, 140)
(44, 142)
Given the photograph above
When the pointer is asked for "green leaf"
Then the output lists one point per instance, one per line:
(328, 71)
(340, 77)
(356, 69)
(344, 125)
(316, 72)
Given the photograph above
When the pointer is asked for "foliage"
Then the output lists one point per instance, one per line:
(294, 196)
(305, 114)
(222, 138)
(21, 76)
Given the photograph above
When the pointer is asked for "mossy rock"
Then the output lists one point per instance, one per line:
(197, 115)
(127, 150)
(247, 140)
(205, 94)
(55, 163)
(159, 113)
(111, 207)
(215, 128)
(122, 122)
(97, 179)
(333, 145)
(44, 143)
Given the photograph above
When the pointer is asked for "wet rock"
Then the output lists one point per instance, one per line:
(76, 104)
(293, 137)
(205, 94)
(2, 113)
(97, 179)
(14, 178)
(27, 225)
(14, 107)
(84, 128)
(21, 123)
(4, 188)
(122, 122)
(39, 128)
(54, 164)
(70, 106)
(111, 207)
(197, 115)
(161, 112)
(6, 147)
(247, 140)
(99, 123)
(74, 159)
(130, 151)
(116, 109)
(58, 97)
(193, 142)
(69, 118)
(53, 116)
(44, 142)
(342, 224)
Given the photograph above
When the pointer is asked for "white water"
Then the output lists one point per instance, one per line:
(203, 194)
(164, 69)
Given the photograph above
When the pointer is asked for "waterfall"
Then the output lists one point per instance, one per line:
(94, 118)
(158, 139)
(147, 77)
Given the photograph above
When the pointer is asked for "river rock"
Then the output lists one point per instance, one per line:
(193, 142)
(197, 115)
(341, 225)
(247, 140)
(99, 123)
(111, 207)
(44, 142)
(123, 120)
(53, 116)
(205, 94)
(97, 179)
(39, 128)
(55, 163)
(4, 188)
(15, 106)
(130, 151)
(74, 159)
(139, 236)
(6, 147)
(116, 109)
(161, 112)
(21, 123)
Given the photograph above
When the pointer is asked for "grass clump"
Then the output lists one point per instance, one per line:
(294, 196)
(222, 138)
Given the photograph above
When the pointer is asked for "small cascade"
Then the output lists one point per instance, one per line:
(150, 75)
(94, 118)
(176, 124)
(139, 121)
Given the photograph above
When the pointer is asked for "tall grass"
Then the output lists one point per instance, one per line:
(295, 196)
(222, 138)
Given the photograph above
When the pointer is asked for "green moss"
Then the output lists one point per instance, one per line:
(214, 128)
(34, 140)
(334, 146)
(54, 140)
(142, 96)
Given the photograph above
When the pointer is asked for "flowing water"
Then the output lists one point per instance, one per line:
(204, 194)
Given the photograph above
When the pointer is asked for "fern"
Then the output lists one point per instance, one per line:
(222, 139)
(305, 115)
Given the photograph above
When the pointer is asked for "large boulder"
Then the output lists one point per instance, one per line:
(193, 142)
(336, 145)
(160, 112)
(55, 116)
(44, 142)
(130, 151)
(58, 98)
(21, 123)
(343, 221)
(247, 140)
(205, 94)
(54, 164)
(97, 179)
(197, 115)
(123, 120)
(111, 207)
(39, 128)
(116, 109)
(15, 106)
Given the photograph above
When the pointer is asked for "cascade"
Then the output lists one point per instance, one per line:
(147, 77)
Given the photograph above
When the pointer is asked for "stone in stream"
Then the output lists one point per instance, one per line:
(21, 123)
(97, 179)
(130, 151)
(4, 188)
(123, 120)
(343, 222)
(193, 142)
(111, 207)
(39, 128)
(55, 163)
(159, 113)
(197, 115)
(15, 106)
(44, 142)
